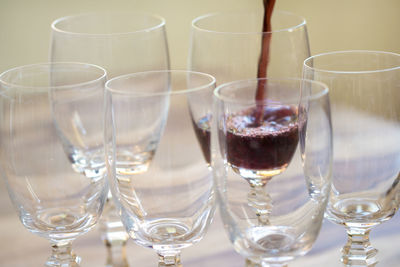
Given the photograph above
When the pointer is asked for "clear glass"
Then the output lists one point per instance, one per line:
(122, 43)
(52, 198)
(228, 45)
(365, 93)
(272, 179)
(159, 177)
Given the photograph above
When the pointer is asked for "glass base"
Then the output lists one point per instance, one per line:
(250, 263)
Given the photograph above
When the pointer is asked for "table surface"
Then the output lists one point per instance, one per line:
(20, 248)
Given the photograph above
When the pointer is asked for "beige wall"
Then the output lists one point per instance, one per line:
(332, 24)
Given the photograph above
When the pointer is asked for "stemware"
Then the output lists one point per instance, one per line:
(365, 89)
(228, 45)
(121, 43)
(53, 200)
(161, 180)
(272, 179)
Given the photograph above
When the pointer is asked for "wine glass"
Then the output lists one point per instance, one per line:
(365, 89)
(228, 45)
(273, 178)
(53, 200)
(161, 180)
(122, 43)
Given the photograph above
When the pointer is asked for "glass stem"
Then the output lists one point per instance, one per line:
(116, 255)
(169, 259)
(358, 250)
(261, 202)
(62, 255)
(113, 235)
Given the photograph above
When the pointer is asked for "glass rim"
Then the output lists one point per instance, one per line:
(319, 94)
(113, 90)
(55, 28)
(286, 29)
(48, 64)
(342, 52)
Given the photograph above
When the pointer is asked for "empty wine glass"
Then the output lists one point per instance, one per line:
(273, 178)
(160, 178)
(53, 200)
(228, 45)
(365, 93)
(122, 43)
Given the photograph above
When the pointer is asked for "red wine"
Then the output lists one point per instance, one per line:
(202, 130)
(268, 147)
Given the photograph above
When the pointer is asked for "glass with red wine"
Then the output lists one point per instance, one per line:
(271, 159)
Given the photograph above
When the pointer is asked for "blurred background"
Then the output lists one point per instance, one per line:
(332, 25)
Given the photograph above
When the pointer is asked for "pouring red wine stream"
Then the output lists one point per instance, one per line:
(260, 138)
(263, 60)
